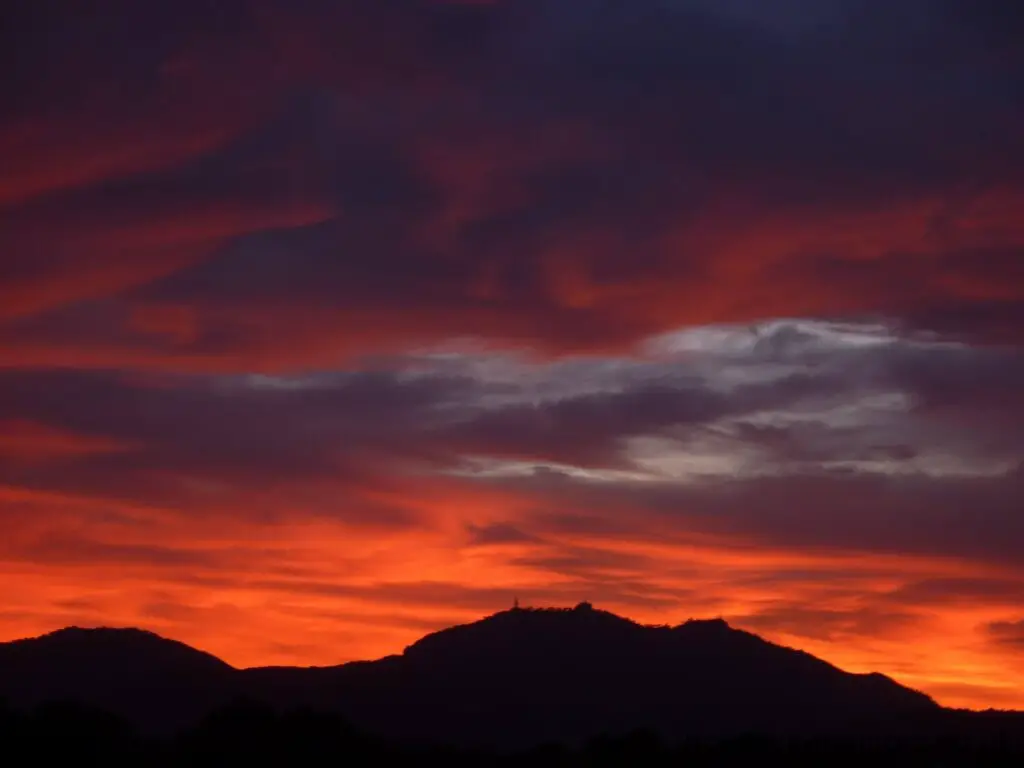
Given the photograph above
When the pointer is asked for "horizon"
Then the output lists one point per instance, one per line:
(526, 609)
(327, 323)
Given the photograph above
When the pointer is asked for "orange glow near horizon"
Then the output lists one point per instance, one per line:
(315, 593)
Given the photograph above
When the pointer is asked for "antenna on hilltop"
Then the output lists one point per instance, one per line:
(515, 603)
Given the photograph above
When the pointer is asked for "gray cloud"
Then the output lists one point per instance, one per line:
(779, 438)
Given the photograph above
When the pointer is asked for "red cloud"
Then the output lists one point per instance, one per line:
(26, 441)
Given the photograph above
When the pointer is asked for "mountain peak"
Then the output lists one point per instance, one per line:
(99, 634)
(75, 650)
(526, 632)
(583, 623)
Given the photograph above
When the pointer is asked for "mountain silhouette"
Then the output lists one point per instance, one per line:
(135, 674)
(516, 678)
(528, 676)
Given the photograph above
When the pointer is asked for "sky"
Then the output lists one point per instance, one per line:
(324, 325)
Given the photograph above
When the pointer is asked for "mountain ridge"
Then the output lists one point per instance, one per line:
(517, 677)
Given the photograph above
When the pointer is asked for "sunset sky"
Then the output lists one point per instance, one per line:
(328, 323)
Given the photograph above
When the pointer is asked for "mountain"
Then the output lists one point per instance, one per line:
(516, 678)
(527, 676)
(135, 674)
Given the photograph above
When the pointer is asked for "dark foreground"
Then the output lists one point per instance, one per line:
(247, 734)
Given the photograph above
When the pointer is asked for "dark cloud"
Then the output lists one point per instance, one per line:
(71, 549)
(959, 591)
(498, 533)
(971, 518)
(186, 438)
(586, 429)
(526, 172)
(594, 564)
(943, 445)
(828, 623)
(1009, 634)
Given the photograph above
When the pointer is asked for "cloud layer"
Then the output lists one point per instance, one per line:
(269, 188)
(323, 324)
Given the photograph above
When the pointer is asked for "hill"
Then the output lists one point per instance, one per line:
(135, 674)
(514, 679)
(528, 676)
